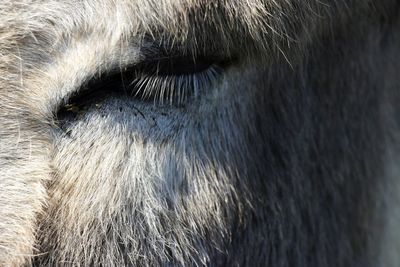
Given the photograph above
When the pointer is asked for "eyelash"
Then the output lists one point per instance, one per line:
(170, 88)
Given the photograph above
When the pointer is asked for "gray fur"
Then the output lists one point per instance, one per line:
(289, 159)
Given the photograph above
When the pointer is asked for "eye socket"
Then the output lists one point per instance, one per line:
(161, 81)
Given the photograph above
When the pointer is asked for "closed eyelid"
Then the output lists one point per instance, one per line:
(165, 48)
(147, 82)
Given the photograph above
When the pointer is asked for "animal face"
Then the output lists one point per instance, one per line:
(176, 133)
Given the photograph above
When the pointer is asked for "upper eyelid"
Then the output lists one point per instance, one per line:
(176, 65)
(153, 50)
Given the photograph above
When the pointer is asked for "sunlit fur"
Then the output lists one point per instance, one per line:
(288, 159)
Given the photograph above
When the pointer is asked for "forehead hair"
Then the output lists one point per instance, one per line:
(242, 25)
(204, 25)
(197, 26)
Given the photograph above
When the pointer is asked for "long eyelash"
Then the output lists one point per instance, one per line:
(173, 89)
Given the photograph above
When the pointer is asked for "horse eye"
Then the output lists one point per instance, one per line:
(167, 80)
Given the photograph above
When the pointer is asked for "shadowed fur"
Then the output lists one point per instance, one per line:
(286, 156)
